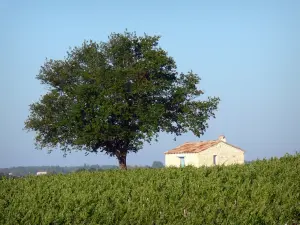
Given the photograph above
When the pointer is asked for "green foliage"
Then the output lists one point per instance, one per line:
(113, 96)
(262, 192)
(3, 175)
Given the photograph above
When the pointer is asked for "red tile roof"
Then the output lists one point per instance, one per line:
(195, 147)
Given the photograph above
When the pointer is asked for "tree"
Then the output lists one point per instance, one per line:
(113, 96)
(157, 164)
(2, 175)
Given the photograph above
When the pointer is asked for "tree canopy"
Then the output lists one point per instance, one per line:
(113, 96)
(157, 164)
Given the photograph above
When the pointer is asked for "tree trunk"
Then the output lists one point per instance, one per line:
(121, 156)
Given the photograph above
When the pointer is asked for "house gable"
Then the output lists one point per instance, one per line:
(222, 153)
(232, 146)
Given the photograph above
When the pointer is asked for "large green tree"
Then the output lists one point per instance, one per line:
(113, 96)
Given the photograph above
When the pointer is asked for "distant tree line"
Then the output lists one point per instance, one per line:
(32, 170)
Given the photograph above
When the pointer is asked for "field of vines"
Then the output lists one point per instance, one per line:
(262, 192)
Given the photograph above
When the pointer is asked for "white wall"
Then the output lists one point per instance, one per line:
(174, 160)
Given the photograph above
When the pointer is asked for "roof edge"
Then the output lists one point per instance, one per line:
(216, 142)
(193, 142)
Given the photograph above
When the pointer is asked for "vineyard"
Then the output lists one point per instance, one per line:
(262, 192)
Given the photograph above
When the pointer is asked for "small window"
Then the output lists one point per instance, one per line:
(215, 159)
(182, 163)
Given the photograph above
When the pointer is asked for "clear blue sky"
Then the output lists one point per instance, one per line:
(246, 52)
